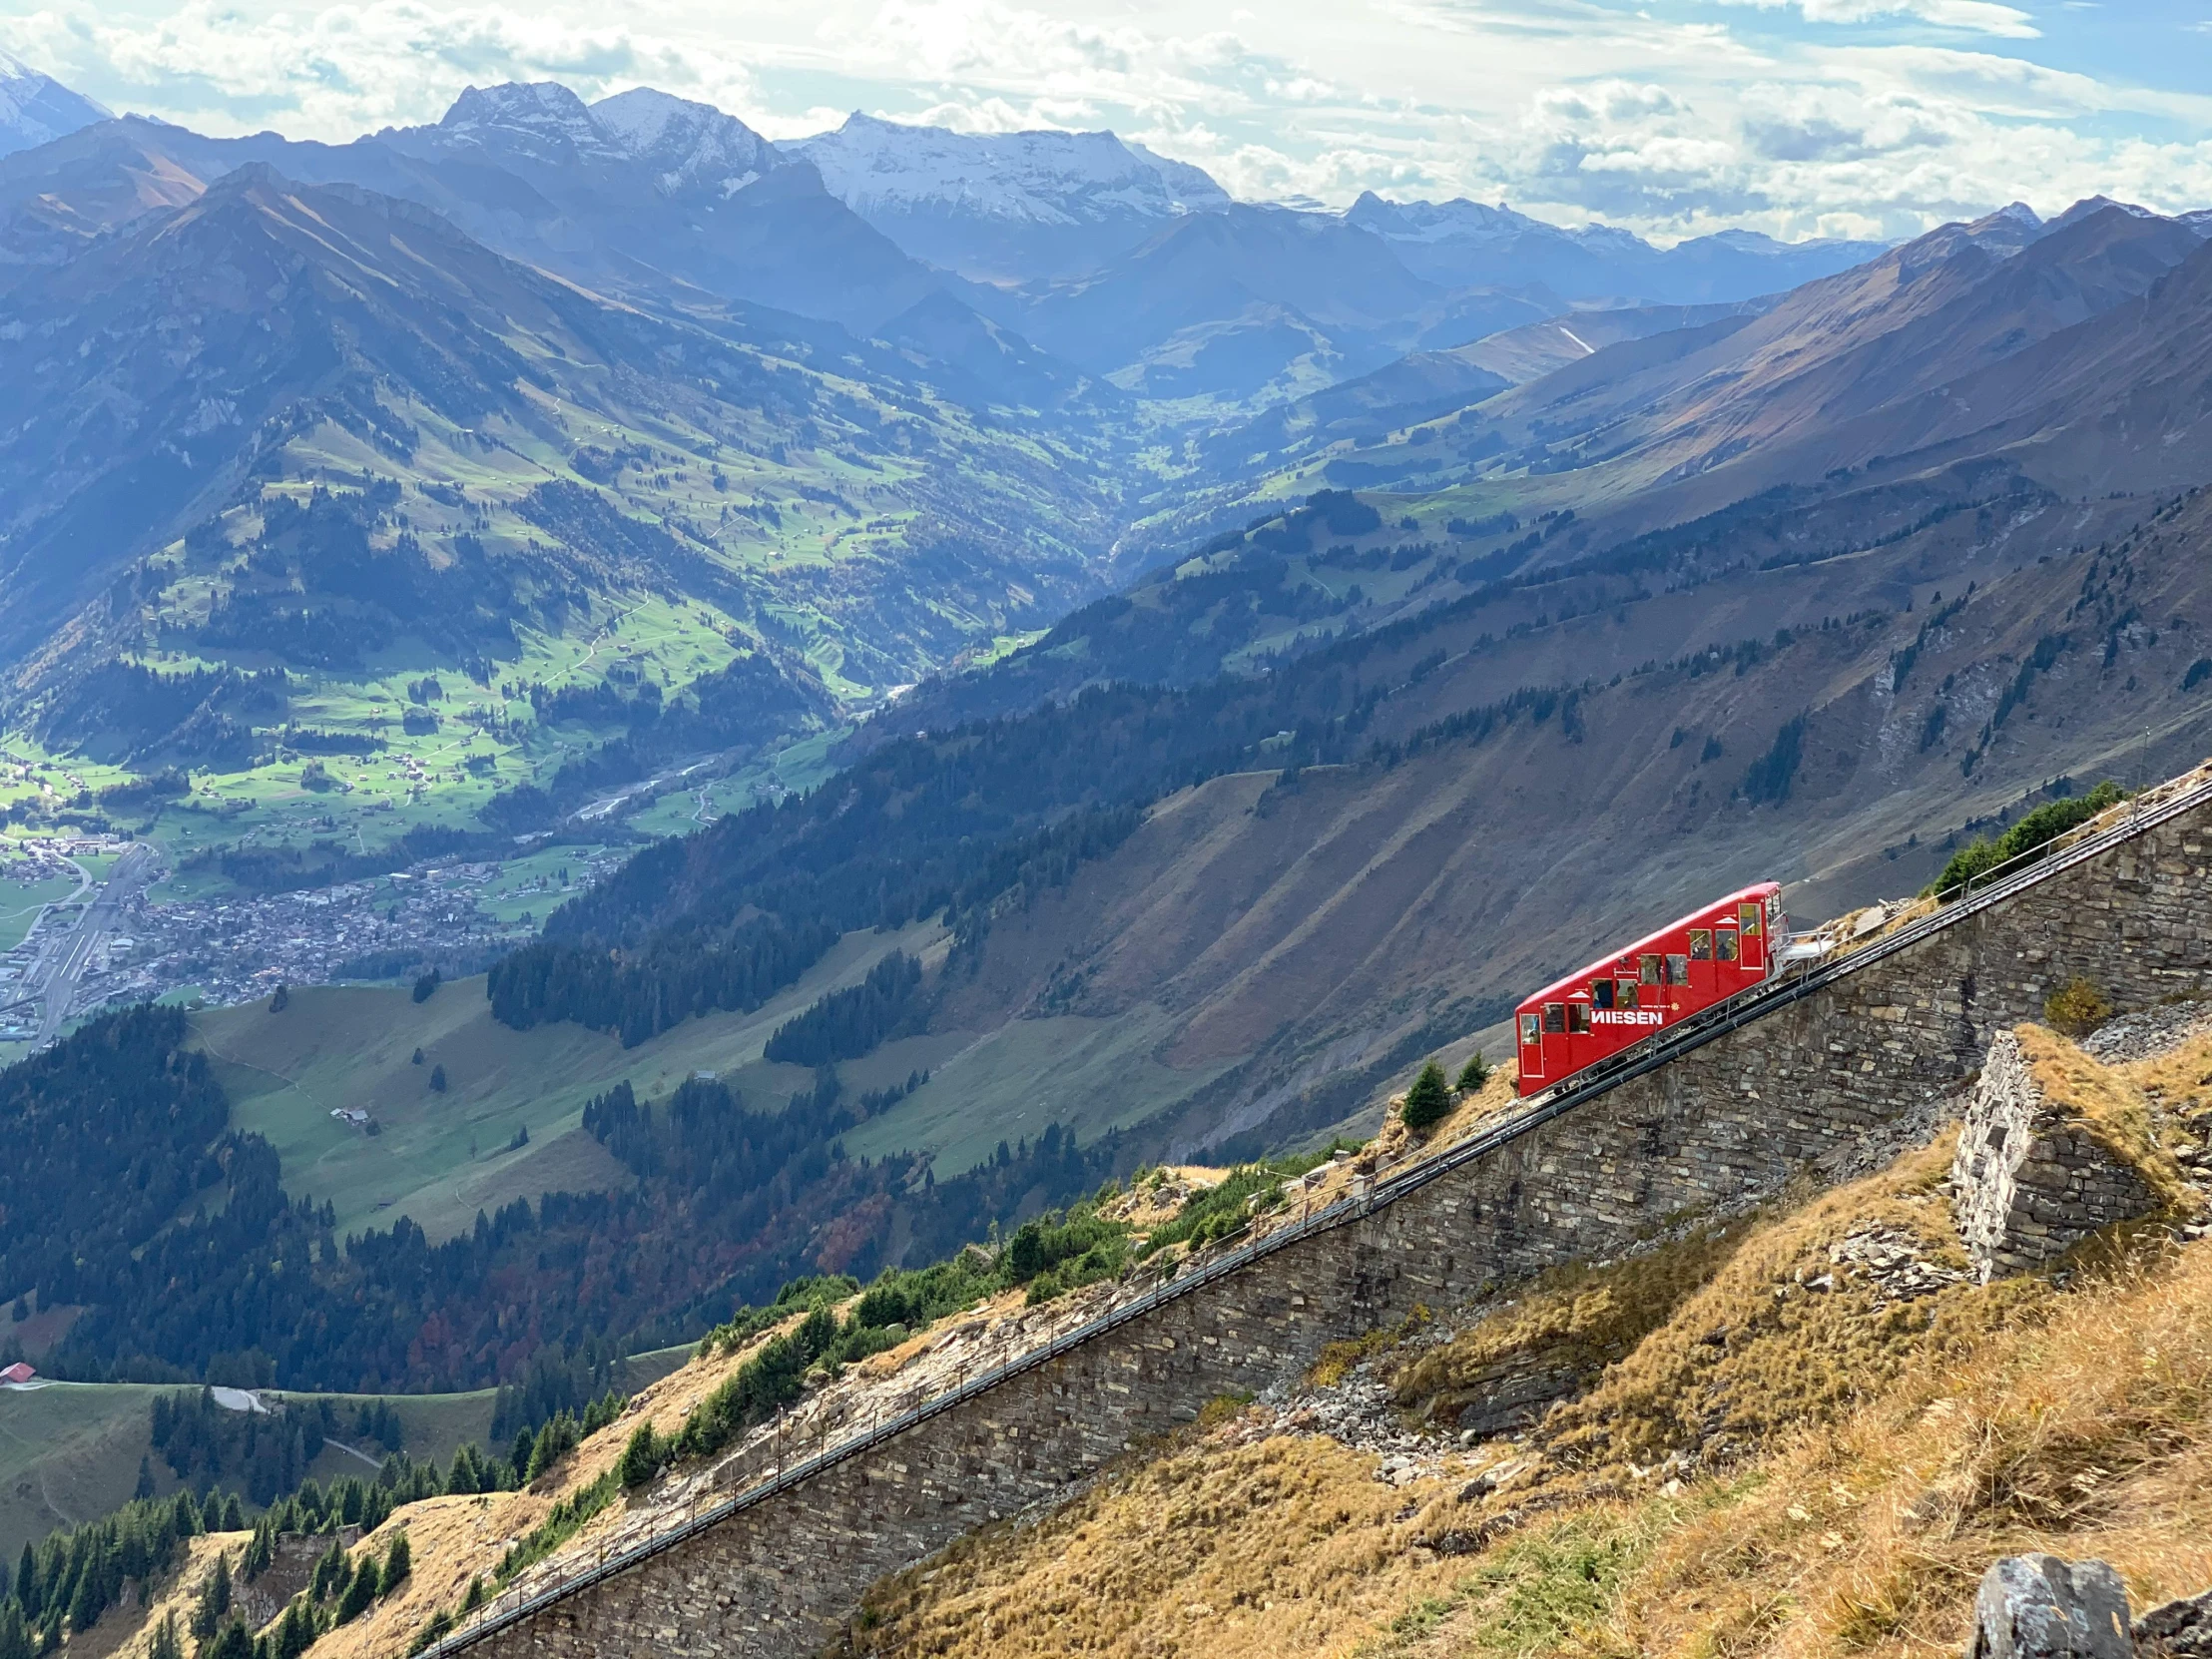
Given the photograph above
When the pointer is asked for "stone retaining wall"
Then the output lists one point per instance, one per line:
(1811, 1087)
(2030, 1178)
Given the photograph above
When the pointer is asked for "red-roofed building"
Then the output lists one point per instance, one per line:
(17, 1372)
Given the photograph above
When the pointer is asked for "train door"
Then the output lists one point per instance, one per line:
(1531, 1047)
(1752, 935)
(1727, 953)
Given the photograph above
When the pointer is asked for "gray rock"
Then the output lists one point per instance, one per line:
(2039, 1608)
(2178, 1630)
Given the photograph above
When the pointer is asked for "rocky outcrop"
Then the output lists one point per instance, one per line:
(2034, 1175)
(2040, 1607)
(2178, 1630)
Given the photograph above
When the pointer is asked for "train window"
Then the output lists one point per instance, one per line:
(1529, 1033)
(1701, 944)
(1647, 969)
(1725, 945)
(1601, 993)
(1628, 994)
(1578, 1018)
(1555, 1016)
(1678, 970)
(1750, 913)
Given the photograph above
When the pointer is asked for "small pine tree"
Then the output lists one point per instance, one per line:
(164, 1644)
(296, 1632)
(235, 1642)
(262, 1550)
(1428, 1101)
(640, 1457)
(437, 1079)
(282, 1000)
(145, 1487)
(233, 1516)
(399, 1562)
(331, 1572)
(358, 1594)
(418, 1060)
(214, 1600)
(1474, 1073)
(475, 1598)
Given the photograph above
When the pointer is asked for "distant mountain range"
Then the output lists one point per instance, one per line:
(1123, 266)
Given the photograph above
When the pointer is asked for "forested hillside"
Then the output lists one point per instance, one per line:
(185, 1258)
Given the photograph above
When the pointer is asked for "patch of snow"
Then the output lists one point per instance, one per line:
(687, 145)
(1041, 177)
(36, 108)
(530, 111)
(239, 1400)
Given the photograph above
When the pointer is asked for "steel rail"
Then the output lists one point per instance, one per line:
(1660, 1049)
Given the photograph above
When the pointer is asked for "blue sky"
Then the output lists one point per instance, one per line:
(1799, 116)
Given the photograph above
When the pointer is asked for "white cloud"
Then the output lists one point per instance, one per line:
(1828, 117)
(1981, 17)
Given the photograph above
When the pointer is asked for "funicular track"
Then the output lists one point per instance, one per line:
(1662, 1049)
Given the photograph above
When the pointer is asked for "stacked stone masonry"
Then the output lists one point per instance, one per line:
(1800, 1090)
(2031, 1179)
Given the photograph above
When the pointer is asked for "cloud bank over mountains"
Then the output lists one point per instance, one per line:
(1861, 117)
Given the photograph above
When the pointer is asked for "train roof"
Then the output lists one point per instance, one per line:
(1567, 985)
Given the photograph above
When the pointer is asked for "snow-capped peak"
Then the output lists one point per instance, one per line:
(36, 108)
(687, 145)
(1043, 178)
(541, 115)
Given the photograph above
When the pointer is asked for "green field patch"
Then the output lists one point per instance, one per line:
(21, 903)
(988, 1091)
(70, 1451)
(439, 1157)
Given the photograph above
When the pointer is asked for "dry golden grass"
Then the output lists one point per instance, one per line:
(1757, 1349)
(1216, 1548)
(2108, 1103)
(126, 1631)
(1852, 1468)
(1862, 1464)
(2082, 1432)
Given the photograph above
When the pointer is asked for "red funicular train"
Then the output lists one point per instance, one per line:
(1706, 957)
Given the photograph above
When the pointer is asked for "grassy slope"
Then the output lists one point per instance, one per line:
(1880, 1457)
(1864, 1461)
(443, 1157)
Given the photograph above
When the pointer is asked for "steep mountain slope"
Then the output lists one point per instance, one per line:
(36, 108)
(444, 462)
(1839, 377)
(1006, 206)
(647, 196)
(1372, 849)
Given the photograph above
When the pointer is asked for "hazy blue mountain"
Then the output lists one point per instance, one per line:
(647, 196)
(1461, 243)
(36, 108)
(1006, 206)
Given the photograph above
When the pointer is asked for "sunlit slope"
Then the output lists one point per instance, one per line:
(440, 1157)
